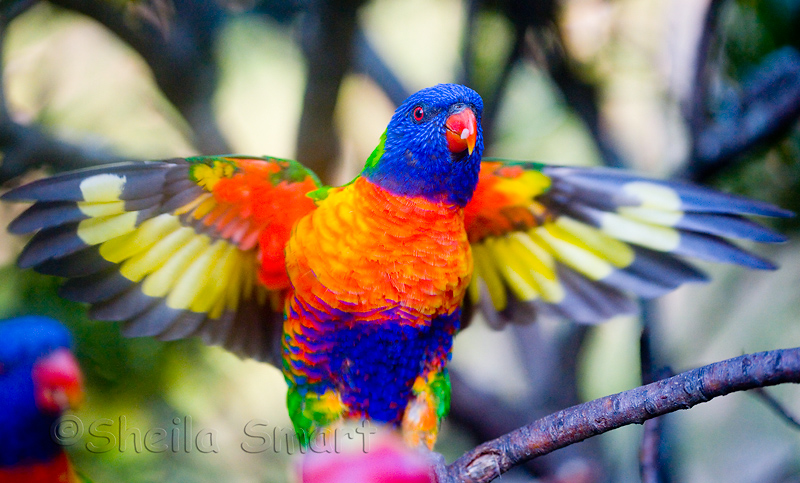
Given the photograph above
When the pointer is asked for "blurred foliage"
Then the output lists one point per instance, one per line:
(754, 28)
(494, 37)
(751, 31)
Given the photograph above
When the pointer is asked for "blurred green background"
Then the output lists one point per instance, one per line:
(75, 79)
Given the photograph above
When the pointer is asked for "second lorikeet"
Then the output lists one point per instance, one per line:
(39, 379)
(357, 291)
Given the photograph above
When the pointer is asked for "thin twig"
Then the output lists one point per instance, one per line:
(652, 452)
(776, 406)
(651, 467)
(569, 426)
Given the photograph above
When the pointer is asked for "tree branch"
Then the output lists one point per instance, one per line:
(575, 424)
(695, 110)
(652, 451)
(765, 106)
(12, 9)
(328, 34)
(550, 363)
(369, 62)
(26, 147)
(181, 58)
(652, 467)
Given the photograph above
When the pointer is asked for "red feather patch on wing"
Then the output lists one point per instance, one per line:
(266, 208)
(503, 201)
(173, 248)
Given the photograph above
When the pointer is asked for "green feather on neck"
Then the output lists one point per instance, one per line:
(372, 161)
(375, 157)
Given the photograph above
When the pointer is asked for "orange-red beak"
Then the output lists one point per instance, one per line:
(57, 382)
(462, 131)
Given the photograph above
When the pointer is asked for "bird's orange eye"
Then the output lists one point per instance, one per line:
(418, 113)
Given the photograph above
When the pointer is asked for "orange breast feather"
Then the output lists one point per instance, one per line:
(365, 250)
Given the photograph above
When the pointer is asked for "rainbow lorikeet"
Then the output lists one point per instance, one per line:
(39, 379)
(357, 291)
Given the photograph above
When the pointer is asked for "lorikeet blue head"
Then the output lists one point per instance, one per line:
(432, 146)
(39, 379)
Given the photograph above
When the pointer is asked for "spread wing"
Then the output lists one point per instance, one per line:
(579, 242)
(173, 248)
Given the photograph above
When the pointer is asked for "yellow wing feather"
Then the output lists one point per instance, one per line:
(579, 242)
